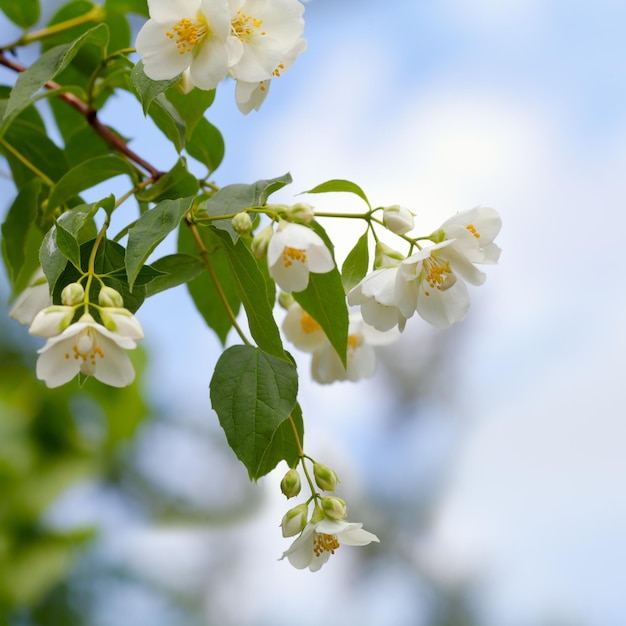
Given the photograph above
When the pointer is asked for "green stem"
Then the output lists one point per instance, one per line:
(20, 157)
(91, 267)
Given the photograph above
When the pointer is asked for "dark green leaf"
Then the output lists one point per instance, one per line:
(253, 393)
(355, 266)
(150, 230)
(24, 13)
(146, 88)
(85, 144)
(127, 6)
(340, 185)
(191, 106)
(177, 269)
(206, 145)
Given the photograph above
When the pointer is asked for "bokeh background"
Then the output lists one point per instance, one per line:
(489, 458)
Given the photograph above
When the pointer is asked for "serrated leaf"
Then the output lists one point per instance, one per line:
(177, 183)
(235, 198)
(150, 230)
(86, 175)
(355, 266)
(256, 294)
(19, 219)
(340, 185)
(177, 269)
(202, 289)
(206, 145)
(146, 88)
(45, 68)
(24, 13)
(253, 393)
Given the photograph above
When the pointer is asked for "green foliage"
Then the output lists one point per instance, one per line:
(253, 393)
(356, 264)
(24, 13)
(340, 185)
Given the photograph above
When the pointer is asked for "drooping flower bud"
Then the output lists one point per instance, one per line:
(398, 219)
(109, 297)
(51, 321)
(72, 294)
(301, 213)
(325, 478)
(294, 520)
(290, 485)
(386, 256)
(260, 242)
(242, 223)
(122, 321)
(334, 508)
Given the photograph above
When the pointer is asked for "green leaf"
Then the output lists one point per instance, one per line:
(45, 68)
(206, 145)
(169, 122)
(86, 175)
(340, 185)
(191, 106)
(202, 289)
(253, 393)
(284, 446)
(127, 6)
(15, 229)
(235, 198)
(146, 88)
(150, 230)
(177, 269)
(256, 294)
(355, 266)
(325, 301)
(24, 13)
(85, 144)
(177, 183)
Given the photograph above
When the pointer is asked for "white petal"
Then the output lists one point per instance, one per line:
(53, 367)
(444, 308)
(159, 53)
(292, 278)
(319, 259)
(114, 368)
(326, 366)
(171, 11)
(300, 328)
(250, 96)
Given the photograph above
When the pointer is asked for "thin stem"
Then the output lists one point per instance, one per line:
(358, 216)
(20, 157)
(209, 268)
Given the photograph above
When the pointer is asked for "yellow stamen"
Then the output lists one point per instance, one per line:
(354, 341)
(243, 27)
(324, 543)
(473, 230)
(437, 276)
(188, 34)
(293, 254)
(309, 325)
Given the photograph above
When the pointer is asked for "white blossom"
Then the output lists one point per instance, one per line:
(33, 299)
(321, 539)
(122, 321)
(89, 348)
(293, 252)
(398, 219)
(51, 321)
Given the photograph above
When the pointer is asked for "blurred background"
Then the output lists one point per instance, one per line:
(489, 458)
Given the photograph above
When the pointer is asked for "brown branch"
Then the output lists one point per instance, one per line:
(92, 119)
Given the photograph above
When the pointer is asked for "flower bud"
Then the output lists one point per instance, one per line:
(72, 294)
(51, 321)
(290, 485)
(285, 299)
(294, 520)
(334, 508)
(398, 219)
(386, 256)
(301, 213)
(325, 478)
(242, 223)
(121, 321)
(110, 297)
(261, 241)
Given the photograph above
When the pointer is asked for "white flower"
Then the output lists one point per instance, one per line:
(263, 34)
(326, 366)
(302, 330)
(251, 95)
(319, 540)
(90, 348)
(398, 219)
(187, 35)
(376, 295)
(122, 321)
(293, 252)
(474, 232)
(51, 321)
(33, 299)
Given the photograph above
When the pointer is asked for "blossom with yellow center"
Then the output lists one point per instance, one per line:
(89, 348)
(319, 540)
(293, 252)
(190, 36)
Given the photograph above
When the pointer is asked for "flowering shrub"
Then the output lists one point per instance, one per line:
(79, 288)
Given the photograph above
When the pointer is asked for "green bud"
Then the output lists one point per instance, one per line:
(438, 236)
(285, 299)
(72, 294)
(110, 297)
(386, 256)
(242, 223)
(301, 213)
(294, 520)
(334, 508)
(261, 241)
(325, 478)
(290, 485)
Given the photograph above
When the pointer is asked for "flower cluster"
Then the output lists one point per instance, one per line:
(432, 280)
(320, 536)
(252, 41)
